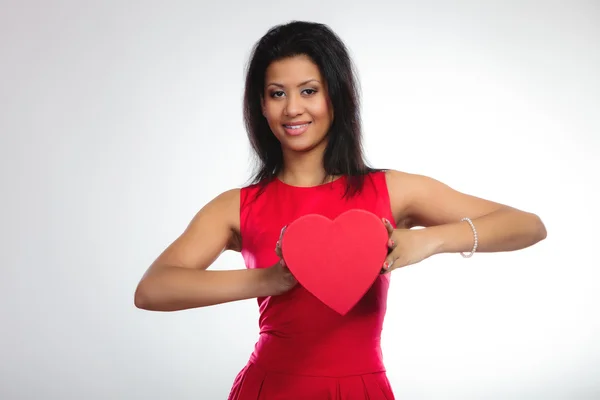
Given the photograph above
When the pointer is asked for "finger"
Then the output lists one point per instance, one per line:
(278, 250)
(392, 244)
(278, 245)
(393, 267)
(389, 262)
(388, 269)
(282, 232)
(388, 226)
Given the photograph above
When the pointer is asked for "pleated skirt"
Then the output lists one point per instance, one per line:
(255, 383)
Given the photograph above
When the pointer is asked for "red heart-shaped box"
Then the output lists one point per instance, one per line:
(337, 261)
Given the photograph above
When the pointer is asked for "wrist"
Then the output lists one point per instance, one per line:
(450, 238)
(432, 239)
(265, 281)
(268, 281)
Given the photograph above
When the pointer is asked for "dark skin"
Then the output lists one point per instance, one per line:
(296, 94)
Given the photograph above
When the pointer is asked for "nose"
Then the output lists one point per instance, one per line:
(293, 106)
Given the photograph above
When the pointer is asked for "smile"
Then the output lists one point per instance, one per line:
(296, 126)
(295, 130)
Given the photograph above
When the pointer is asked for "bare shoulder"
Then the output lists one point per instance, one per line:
(406, 182)
(224, 212)
(419, 200)
(225, 207)
(212, 230)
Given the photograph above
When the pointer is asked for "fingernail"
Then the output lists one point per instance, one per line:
(391, 243)
(386, 265)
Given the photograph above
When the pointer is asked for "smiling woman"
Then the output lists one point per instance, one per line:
(302, 119)
(296, 104)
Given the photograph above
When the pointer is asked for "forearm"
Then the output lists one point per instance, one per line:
(169, 288)
(504, 230)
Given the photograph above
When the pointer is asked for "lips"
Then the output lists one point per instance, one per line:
(296, 124)
(296, 128)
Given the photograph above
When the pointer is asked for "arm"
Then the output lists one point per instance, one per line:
(422, 201)
(178, 279)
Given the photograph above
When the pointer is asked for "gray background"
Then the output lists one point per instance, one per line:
(119, 120)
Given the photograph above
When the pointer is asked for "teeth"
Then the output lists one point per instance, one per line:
(296, 126)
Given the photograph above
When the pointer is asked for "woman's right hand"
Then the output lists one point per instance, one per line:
(280, 277)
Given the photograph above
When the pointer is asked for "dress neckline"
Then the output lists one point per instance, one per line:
(319, 186)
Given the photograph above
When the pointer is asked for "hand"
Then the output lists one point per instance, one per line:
(405, 247)
(280, 278)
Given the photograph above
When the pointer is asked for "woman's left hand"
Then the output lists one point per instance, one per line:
(405, 247)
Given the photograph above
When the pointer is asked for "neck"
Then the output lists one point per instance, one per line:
(304, 168)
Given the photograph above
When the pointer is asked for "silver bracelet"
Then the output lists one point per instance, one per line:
(475, 236)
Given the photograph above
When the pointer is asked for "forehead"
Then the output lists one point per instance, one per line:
(292, 70)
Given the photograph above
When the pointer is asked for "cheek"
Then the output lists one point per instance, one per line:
(325, 111)
(270, 114)
(320, 109)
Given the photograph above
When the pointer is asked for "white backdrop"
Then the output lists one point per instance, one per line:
(119, 120)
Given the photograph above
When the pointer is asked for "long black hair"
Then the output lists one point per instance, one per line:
(344, 152)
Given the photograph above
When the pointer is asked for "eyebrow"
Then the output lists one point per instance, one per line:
(301, 84)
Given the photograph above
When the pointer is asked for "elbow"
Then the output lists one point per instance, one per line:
(539, 229)
(143, 296)
(543, 232)
(150, 291)
(140, 297)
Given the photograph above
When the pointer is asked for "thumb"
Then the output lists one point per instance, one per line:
(388, 226)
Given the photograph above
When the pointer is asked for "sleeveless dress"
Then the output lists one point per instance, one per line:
(305, 350)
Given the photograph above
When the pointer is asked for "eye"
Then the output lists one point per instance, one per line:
(277, 94)
(309, 91)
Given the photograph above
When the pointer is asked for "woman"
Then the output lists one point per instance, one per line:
(302, 117)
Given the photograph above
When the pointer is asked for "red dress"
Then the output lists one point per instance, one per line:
(305, 350)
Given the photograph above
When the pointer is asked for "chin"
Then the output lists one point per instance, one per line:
(303, 146)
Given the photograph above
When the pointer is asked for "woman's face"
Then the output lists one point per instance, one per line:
(296, 104)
